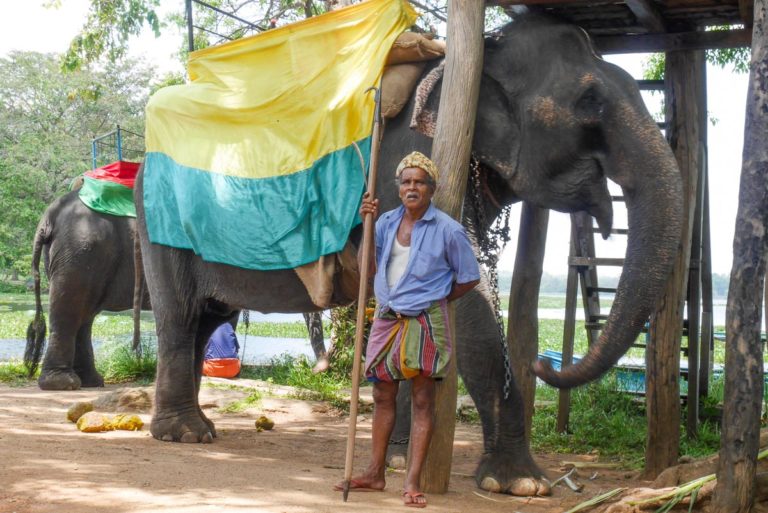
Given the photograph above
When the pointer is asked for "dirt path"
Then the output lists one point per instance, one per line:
(49, 466)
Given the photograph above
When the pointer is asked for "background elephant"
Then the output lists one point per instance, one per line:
(553, 123)
(89, 263)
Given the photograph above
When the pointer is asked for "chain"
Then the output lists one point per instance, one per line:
(490, 237)
(402, 441)
(247, 321)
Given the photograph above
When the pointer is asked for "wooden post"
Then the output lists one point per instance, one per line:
(523, 341)
(451, 151)
(569, 331)
(739, 443)
(663, 352)
(707, 319)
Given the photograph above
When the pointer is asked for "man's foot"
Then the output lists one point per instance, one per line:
(361, 484)
(415, 499)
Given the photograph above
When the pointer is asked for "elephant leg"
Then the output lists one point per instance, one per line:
(178, 417)
(84, 363)
(397, 449)
(57, 372)
(208, 324)
(506, 465)
(314, 322)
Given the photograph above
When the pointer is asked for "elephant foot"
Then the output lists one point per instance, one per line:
(58, 380)
(90, 379)
(211, 425)
(185, 427)
(397, 455)
(504, 473)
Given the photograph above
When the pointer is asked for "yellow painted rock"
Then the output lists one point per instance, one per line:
(264, 423)
(95, 422)
(77, 410)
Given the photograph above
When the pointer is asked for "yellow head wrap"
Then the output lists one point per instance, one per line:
(417, 159)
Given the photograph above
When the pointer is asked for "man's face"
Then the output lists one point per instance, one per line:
(415, 189)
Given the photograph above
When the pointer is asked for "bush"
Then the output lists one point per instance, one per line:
(118, 363)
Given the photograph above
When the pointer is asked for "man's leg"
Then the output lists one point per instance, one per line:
(423, 404)
(384, 395)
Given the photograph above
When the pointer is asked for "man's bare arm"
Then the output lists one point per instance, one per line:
(459, 289)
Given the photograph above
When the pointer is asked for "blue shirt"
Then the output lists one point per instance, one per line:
(440, 254)
(223, 343)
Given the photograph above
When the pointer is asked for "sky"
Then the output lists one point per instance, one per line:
(27, 25)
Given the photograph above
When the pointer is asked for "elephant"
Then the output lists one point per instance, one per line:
(89, 261)
(554, 122)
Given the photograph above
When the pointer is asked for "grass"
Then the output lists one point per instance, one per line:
(609, 424)
(118, 363)
(297, 373)
(14, 373)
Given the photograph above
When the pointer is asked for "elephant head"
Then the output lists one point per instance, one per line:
(555, 121)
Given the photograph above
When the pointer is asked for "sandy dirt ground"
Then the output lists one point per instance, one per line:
(50, 466)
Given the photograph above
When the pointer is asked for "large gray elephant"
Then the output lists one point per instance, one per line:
(90, 267)
(554, 122)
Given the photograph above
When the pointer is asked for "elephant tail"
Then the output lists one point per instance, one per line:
(36, 330)
(138, 292)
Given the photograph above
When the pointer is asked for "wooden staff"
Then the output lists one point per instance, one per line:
(362, 296)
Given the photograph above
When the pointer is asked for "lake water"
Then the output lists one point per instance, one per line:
(259, 350)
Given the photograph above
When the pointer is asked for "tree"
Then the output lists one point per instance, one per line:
(47, 120)
(111, 23)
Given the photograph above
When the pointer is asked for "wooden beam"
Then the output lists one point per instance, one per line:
(647, 14)
(662, 388)
(746, 11)
(674, 41)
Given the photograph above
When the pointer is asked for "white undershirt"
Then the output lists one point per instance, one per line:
(398, 261)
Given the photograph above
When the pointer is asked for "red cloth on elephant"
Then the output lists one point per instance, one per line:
(121, 172)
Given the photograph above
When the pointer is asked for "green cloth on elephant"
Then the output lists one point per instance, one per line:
(107, 197)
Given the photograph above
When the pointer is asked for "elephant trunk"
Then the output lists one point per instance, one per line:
(653, 191)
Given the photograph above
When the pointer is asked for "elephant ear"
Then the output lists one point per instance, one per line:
(496, 140)
(424, 118)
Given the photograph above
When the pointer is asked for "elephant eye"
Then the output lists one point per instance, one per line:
(589, 106)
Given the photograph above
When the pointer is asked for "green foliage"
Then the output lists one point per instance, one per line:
(607, 423)
(278, 329)
(252, 400)
(7, 287)
(738, 58)
(107, 29)
(14, 373)
(47, 120)
(118, 363)
(297, 372)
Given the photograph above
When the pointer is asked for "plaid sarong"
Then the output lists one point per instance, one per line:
(401, 348)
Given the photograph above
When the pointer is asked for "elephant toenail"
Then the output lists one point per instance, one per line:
(167, 438)
(490, 484)
(189, 438)
(207, 438)
(397, 462)
(524, 487)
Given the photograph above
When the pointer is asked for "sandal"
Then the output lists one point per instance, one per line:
(415, 499)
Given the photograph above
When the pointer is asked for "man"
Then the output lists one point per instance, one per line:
(221, 354)
(423, 260)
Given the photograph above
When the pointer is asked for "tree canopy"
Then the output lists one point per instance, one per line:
(47, 121)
